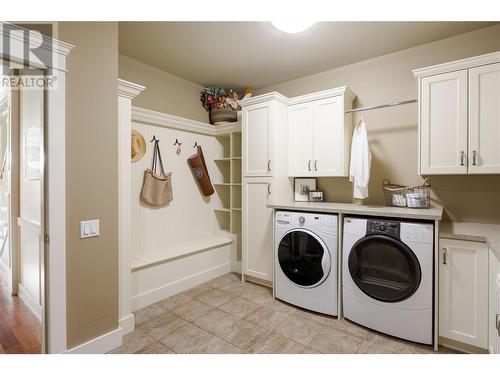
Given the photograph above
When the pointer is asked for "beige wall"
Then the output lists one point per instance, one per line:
(91, 177)
(164, 92)
(393, 132)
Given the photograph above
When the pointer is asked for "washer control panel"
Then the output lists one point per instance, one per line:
(387, 228)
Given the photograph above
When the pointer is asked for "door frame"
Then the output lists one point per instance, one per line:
(53, 189)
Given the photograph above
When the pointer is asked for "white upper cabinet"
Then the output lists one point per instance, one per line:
(443, 129)
(484, 119)
(329, 138)
(300, 144)
(459, 119)
(257, 128)
(319, 134)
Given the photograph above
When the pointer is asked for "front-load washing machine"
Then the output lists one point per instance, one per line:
(305, 261)
(388, 276)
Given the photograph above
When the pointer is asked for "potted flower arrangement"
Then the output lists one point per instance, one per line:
(220, 103)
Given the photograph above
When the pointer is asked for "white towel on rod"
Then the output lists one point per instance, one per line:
(361, 159)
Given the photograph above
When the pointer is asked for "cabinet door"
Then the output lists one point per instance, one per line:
(257, 228)
(484, 119)
(300, 140)
(328, 137)
(463, 292)
(443, 124)
(257, 140)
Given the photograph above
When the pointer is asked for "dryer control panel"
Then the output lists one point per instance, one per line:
(387, 228)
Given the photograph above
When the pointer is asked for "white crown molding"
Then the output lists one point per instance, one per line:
(128, 89)
(149, 117)
(263, 98)
(467, 63)
(338, 91)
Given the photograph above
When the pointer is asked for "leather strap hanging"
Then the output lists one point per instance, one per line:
(200, 172)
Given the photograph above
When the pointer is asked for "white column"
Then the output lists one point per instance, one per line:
(126, 92)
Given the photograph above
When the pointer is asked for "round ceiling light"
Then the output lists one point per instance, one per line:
(292, 26)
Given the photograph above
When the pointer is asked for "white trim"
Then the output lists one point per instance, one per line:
(152, 296)
(55, 213)
(128, 89)
(147, 116)
(338, 91)
(467, 63)
(101, 344)
(59, 48)
(126, 92)
(127, 324)
(264, 98)
(28, 300)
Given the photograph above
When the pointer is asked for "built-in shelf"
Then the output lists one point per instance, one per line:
(227, 201)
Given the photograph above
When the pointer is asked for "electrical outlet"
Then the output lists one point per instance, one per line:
(89, 228)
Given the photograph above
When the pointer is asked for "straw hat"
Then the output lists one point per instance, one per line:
(138, 146)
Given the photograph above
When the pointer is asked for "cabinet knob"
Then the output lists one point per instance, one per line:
(445, 260)
(474, 156)
(462, 158)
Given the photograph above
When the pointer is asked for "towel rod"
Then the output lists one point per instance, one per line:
(381, 106)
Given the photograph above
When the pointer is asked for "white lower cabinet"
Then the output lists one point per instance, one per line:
(494, 318)
(463, 292)
(257, 228)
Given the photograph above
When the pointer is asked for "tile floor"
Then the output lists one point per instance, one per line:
(227, 316)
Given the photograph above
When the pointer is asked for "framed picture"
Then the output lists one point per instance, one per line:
(302, 188)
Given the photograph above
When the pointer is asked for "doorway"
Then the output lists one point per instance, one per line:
(21, 219)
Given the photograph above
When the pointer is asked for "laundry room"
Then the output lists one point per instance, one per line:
(306, 187)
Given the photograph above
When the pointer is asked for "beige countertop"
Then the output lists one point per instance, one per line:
(487, 233)
(359, 209)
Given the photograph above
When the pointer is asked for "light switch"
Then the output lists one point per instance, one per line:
(89, 228)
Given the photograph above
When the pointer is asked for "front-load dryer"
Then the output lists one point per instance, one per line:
(388, 276)
(305, 260)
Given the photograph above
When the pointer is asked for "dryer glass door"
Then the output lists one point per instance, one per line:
(384, 268)
(303, 258)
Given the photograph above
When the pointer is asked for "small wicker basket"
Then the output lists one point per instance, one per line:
(407, 196)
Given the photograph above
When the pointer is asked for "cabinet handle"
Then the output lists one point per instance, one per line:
(309, 165)
(474, 154)
(444, 256)
(268, 189)
(497, 322)
(462, 158)
(268, 166)
(315, 165)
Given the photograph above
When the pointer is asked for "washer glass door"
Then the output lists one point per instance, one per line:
(303, 258)
(384, 268)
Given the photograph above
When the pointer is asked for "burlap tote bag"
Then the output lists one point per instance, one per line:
(156, 188)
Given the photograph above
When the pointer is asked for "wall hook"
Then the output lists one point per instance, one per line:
(154, 139)
(195, 144)
(177, 143)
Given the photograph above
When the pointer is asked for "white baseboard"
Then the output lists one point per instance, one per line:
(101, 344)
(236, 267)
(127, 324)
(152, 296)
(29, 301)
